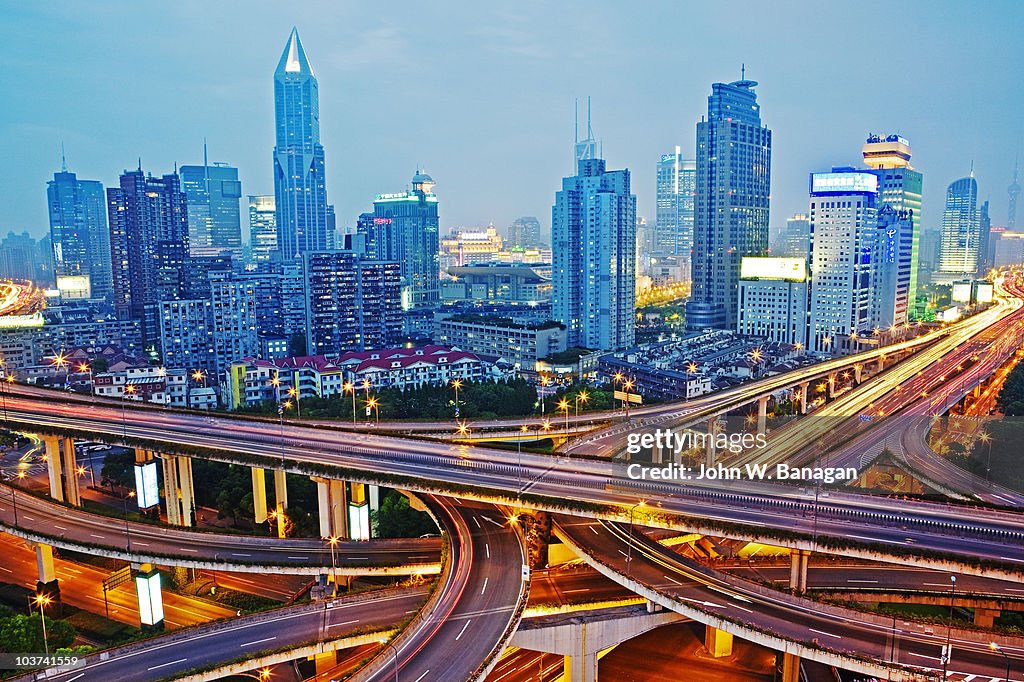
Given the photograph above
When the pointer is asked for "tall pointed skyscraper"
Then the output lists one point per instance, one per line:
(299, 188)
(1014, 191)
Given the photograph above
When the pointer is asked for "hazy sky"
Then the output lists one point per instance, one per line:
(481, 94)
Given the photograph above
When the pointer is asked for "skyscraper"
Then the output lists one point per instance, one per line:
(1013, 191)
(299, 188)
(899, 186)
(214, 223)
(404, 227)
(733, 190)
(525, 232)
(795, 242)
(78, 231)
(262, 227)
(593, 230)
(961, 232)
(148, 220)
(673, 225)
(844, 223)
(985, 236)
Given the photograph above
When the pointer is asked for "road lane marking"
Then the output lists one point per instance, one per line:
(164, 665)
(189, 550)
(865, 581)
(477, 522)
(142, 544)
(347, 622)
(29, 518)
(488, 548)
(484, 588)
(4, 568)
(237, 554)
(97, 536)
(359, 558)
(671, 579)
(258, 641)
(593, 530)
(822, 632)
(463, 631)
(421, 676)
(72, 679)
(488, 518)
(62, 528)
(297, 557)
(582, 589)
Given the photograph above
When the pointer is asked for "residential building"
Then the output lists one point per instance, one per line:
(300, 192)
(593, 228)
(773, 299)
(795, 240)
(470, 247)
(262, 227)
(78, 231)
(213, 192)
(351, 303)
(519, 344)
(21, 258)
(985, 234)
(158, 385)
(1009, 249)
(733, 190)
(893, 258)
(961, 232)
(148, 220)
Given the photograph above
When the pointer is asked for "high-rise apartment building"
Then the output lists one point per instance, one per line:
(772, 299)
(795, 240)
(899, 186)
(985, 237)
(961, 232)
(78, 231)
(19, 257)
(351, 303)
(733, 190)
(404, 227)
(262, 227)
(299, 185)
(213, 192)
(148, 219)
(673, 224)
(593, 230)
(524, 232)
(1013, 191)
(894, 267)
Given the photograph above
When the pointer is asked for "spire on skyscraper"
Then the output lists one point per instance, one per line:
(293, 59)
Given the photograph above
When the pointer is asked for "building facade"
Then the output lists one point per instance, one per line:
(524, 232)
(300, 191)
(733, 190)
(773, 299)
(961, 232)
(593, 227)
(78, 231)
(521, 345)
(673, 225)
(213, 193)
(148, 220)
(262, 227)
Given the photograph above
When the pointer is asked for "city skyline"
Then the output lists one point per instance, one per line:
(374, 148)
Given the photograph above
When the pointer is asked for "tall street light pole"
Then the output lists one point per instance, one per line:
(349, 387)
(995, 647)
(629, 547)
(385, 642)
(947, 652)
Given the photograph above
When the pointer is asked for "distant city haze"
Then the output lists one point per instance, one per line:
(481, 97)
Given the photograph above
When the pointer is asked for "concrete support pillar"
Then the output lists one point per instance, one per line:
(986, 618)
(374, 492)
(830, 383)
(178, 491)
(580, 668)
(281, 495)
(801, 392)
(790, 668)
(858, 374)
(54, 466)
(70, 465)
(333, 507)
(709, 445)
(798, 560)
(762, 414)
(657, 454)
(259, 494)
(717, 642)
(44, 563)
(325, 661)
(881, 363)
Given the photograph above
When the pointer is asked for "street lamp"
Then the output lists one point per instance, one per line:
(462, 429)
(947, 651)
(545, 381)
(375, 404)
(995, 647)
(457, 384)
(519, 456)
(349, 387)
(129, 389)
(581, 397)
(42, 601)
(385, 642)
(987, 440)
(294, 392)
(275, 381)
(127, 529)
(629, 548)
(628, 385)
(563, 405)
(333, 540)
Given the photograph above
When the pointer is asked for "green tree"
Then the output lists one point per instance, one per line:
(396, 519)
(24, 634)
(118, 469)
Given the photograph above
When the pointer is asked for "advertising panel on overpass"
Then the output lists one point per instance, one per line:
(756, 267)
(146, 490)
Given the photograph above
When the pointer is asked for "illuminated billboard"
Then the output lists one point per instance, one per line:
(843, 183)
(755, 267)
(984, 292)
(359, 521)
(949, 315)
(74, 287)
(151, 604)
(962, 292)
(146, 490)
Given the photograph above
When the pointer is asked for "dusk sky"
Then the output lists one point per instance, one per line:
(481, 94)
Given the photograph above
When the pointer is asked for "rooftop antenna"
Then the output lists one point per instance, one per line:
(590, 135)
(63, 161)
(743, 72)
(140, 164)
(972, 168)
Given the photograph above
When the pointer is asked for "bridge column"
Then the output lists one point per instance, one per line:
(798, 560)
(801, 393)
(281, 495)
(858, 374)
(581, 665)
(709, 445)
(986, 618)
(47, 583)
(830, 383)
(54, 467)
(178, 490)
(790, 668)
(762, 414)
(717, 642)
(70, 465)
(259, 494)
(881, 363)
(333, 507)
